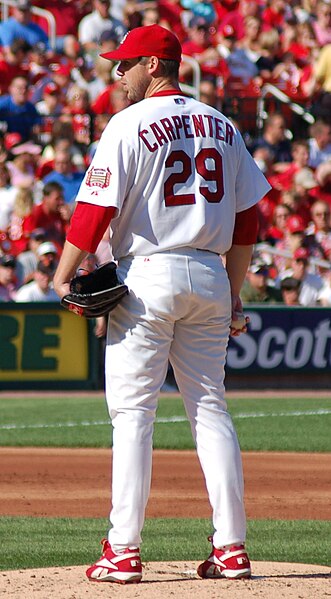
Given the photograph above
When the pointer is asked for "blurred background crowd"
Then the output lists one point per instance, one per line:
(266, 64)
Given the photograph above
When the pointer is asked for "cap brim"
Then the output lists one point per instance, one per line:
(117, 55)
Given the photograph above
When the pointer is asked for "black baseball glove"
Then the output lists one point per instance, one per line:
(95, 294)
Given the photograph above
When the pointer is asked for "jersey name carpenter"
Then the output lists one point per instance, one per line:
(178, 126)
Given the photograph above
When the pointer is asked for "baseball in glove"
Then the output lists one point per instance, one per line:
(95, 294)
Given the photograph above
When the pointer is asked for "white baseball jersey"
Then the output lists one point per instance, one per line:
(177, 171)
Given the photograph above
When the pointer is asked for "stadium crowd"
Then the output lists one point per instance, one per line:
(57, 95)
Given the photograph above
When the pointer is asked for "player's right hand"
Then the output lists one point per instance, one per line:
(239, 326)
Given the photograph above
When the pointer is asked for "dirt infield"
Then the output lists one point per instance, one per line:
(76, 483)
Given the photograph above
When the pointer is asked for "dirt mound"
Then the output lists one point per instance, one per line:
(174, 579)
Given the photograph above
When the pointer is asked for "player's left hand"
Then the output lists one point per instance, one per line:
(239, 321)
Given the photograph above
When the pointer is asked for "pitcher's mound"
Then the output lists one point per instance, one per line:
(171, 580)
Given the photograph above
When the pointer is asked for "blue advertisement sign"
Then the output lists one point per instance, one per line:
(283, 340)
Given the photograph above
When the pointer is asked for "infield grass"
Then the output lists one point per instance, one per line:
(45, 542)
(276, 424)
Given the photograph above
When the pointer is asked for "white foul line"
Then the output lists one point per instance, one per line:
(164, 420)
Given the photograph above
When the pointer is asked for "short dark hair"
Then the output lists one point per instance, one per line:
(52, 186)
(170, 67)
(290, 284)
(20, 44)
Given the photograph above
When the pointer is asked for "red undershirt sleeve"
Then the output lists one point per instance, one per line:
(246, 227)
(88, 224)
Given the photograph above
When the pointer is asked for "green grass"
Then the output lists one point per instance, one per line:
(277, 424)
(44, 542)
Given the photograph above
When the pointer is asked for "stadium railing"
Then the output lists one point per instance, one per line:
(42, 12)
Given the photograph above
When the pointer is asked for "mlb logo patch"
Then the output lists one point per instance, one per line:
(180, 101)
(98, 177)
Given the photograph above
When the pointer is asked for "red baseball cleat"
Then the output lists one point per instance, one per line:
(228, 563)
(112, 567)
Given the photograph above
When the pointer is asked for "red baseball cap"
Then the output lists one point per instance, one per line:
(227, 31)
(295, 224)
(61, 69)
(51, 88)
(12, 140)
(301, 254)
(151, 40)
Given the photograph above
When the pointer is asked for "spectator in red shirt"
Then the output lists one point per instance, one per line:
(274, 15)
(300, 197)
(293, 239)
(233, 13)
(300, 153)
(60, 74)
(111, 100)
(63, 138)
(171, 17)
(200, 46)
(278, 228)
(303, 43)
(14, 64)
(263, 157)
(308, 87)
(52, 215)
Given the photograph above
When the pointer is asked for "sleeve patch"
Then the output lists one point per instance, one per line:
(98, 177)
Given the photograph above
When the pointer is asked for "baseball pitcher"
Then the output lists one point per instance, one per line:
(173, 180)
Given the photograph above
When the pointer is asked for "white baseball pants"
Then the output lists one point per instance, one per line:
(179, 309)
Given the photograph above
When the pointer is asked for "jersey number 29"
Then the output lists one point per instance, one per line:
(199, 164)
